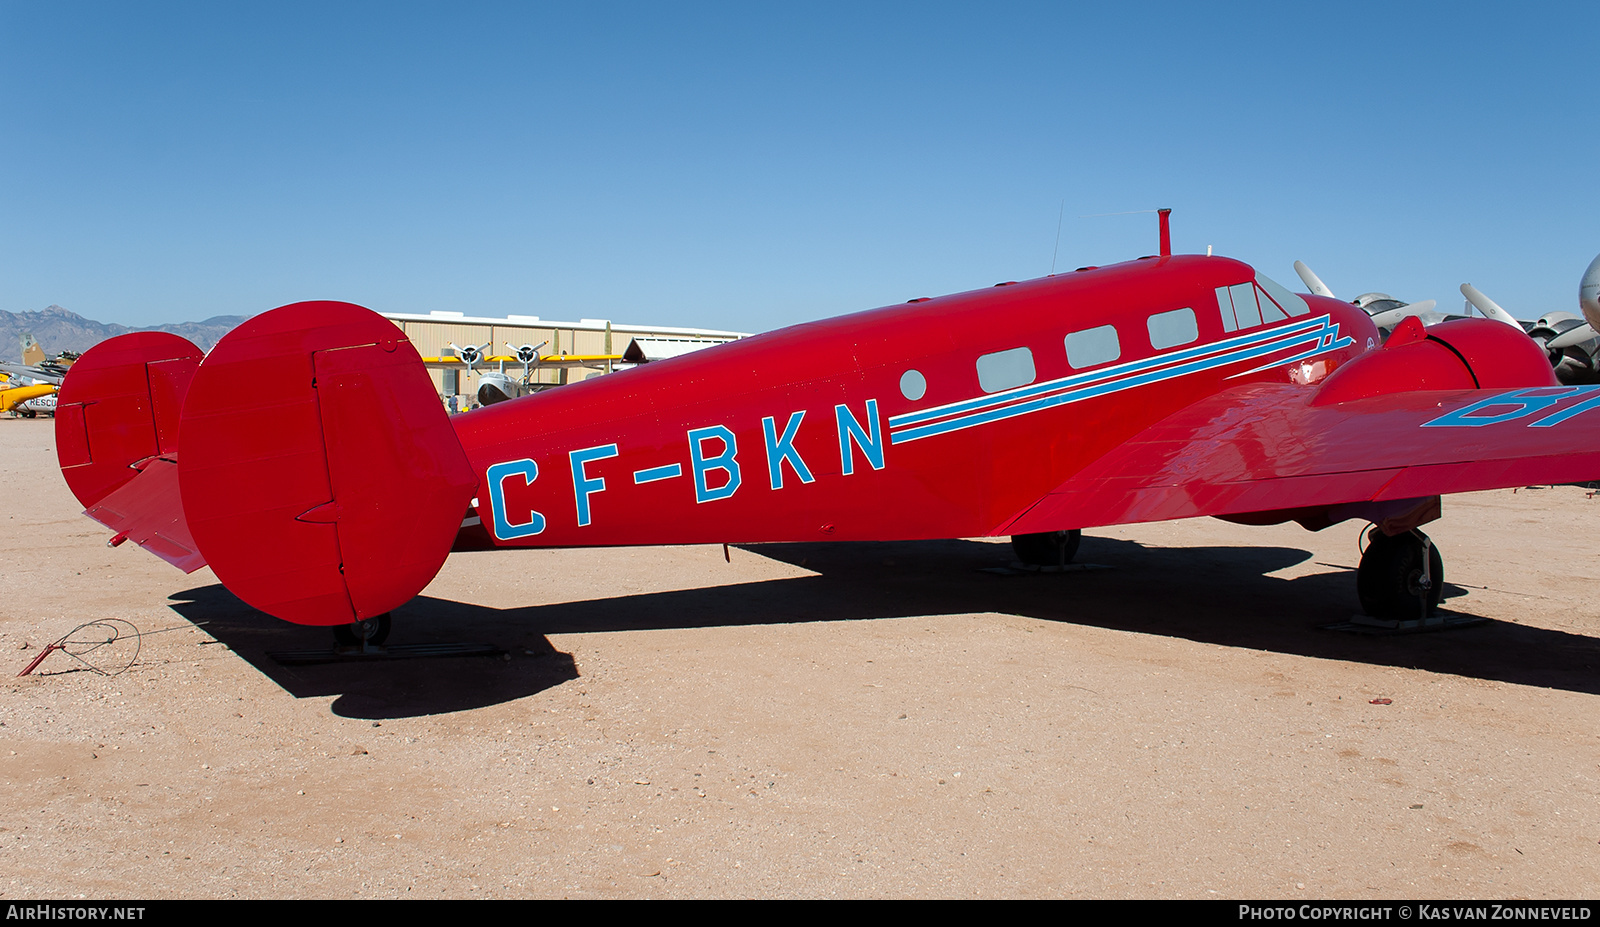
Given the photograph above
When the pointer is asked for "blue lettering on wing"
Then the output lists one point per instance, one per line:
(1592, 402)
(1520, 403)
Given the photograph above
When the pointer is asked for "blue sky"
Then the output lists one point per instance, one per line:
(751, 165)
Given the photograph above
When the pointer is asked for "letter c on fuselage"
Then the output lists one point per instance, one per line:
(497, 476)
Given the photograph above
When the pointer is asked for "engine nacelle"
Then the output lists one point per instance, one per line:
(1462, 354)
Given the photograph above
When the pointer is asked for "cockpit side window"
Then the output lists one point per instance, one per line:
(1246, 305)
(1239, 306)
(1291, 303)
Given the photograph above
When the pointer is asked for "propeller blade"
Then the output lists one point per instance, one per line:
(1312, 281)
(1571, 338)
(1487, 306)
(1391, 317)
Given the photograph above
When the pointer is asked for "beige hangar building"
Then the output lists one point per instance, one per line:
(433, 334)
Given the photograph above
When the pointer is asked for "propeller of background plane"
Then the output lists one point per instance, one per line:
(1386, 311)
(1572, 344)
(498, 387)
(471, 355)
(1489, 308)
(528, 354)
(1387, 319)
(1312, 281)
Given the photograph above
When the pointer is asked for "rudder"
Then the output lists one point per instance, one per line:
(320, 475)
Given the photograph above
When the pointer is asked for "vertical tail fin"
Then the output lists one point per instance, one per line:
(320, 475)
(117, 439)
(119, 407)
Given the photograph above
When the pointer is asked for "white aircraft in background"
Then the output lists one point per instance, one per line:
(1571, 342)
(38, 405)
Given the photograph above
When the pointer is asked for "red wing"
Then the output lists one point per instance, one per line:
(1264, 447)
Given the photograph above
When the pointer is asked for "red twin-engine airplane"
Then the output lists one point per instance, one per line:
(1166, 387)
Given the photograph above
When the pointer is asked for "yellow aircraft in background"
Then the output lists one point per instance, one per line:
(37, 376)
(13, 392)
(497, 386)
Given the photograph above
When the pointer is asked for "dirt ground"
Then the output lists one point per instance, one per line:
(880, 720)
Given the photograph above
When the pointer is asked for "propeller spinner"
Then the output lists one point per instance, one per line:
(471, 355)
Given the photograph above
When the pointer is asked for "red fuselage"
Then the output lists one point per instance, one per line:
(947, 417)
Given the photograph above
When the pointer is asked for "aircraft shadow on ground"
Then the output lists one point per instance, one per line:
(397, 688)
(1215, 595)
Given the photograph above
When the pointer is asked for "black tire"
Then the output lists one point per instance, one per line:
(1047, 549)
(375, 629)
(1389, 578)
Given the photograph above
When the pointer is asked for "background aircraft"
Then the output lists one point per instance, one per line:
(29, 388)
(1570, 340)
(1166, 387)
(38, 405)
(21, 392)
(1571, 343)
(498, 386)
(36, 366)
(44, 373)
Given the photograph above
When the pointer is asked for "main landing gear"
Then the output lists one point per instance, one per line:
(1048, 548)
(1401, 578)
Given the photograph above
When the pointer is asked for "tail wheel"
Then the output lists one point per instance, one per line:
(373, 631)
(1391, 580)
(1048, 548)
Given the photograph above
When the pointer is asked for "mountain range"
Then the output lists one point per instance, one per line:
(59, 329)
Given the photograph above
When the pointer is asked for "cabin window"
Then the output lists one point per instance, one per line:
(1005, 369)
(1170, 329)
(1093, 346)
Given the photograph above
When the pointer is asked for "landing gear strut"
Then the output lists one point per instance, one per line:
(1400, 578)
(369, 633)
(1047, 549)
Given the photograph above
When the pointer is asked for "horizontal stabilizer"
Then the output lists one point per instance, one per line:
(147, 510)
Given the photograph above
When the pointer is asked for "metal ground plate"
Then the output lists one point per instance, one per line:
(372, 654)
